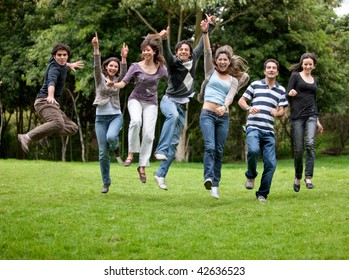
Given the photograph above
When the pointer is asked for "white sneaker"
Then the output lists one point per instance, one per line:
(208, 184)
(160, 157)
(24, 140)
(249, 184)
(161, 182)
(214, 192)
(119, 160)
(261, 198)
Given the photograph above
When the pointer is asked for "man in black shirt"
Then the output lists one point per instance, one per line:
(47, 101)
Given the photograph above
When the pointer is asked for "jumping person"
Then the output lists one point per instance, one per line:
(143, 102)
(218, 91)
(181, 74)
(47, 100)
(109, 119)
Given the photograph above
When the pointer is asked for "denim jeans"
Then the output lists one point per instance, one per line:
(107, 132)
(215, 132)
(262, 142)
(143, 116)
(304, 128)
(170, 134)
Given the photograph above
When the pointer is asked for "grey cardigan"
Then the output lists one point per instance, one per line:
(209, 69)
(103, 92)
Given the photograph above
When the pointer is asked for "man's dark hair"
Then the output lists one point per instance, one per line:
(59, 47)
(271, 60)
(187, 42)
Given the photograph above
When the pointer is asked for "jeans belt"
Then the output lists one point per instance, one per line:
(183, 106)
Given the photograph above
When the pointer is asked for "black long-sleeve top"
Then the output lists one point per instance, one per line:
(55, 75)
(303, 105)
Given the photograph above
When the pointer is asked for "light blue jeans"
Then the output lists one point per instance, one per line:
(107, 131)
(170, 133)
(304, 130)
(262, 142)
(215, 132)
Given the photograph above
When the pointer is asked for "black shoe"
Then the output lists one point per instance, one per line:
(296, 187)
(308, 185)
(208, 184)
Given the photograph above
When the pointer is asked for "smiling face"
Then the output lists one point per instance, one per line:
(222, 62)
(183, 52)
(148, 53)
(308, 65)
(61, 57)
(112, 68)
(271, 70)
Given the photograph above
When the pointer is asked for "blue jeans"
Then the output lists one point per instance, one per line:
(304, 128)
(107, 132)
(170, 133)
(215, 132)
(261, 142)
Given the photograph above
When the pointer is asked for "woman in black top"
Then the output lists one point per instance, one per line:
(301, 94)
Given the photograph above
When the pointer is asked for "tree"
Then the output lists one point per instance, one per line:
(255, 29)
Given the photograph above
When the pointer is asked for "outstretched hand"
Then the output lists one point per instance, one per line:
(74, 65)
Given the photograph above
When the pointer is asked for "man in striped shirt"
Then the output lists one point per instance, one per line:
(267, 100)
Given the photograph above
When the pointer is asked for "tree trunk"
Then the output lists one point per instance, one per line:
(79, 125)
(64, 147)
(182, 153)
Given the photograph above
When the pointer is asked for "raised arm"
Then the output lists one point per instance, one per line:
(169, 57)
(123, 66)
(208, 24)
(97, 60)
(204, 28)
(95, 44)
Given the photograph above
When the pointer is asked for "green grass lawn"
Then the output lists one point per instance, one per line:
(56, 211)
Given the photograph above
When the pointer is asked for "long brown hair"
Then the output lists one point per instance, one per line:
(298, 67)
(154, 41)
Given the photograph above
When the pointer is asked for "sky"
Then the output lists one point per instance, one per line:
(344, 9)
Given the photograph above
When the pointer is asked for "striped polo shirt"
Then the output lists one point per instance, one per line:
(264, 98)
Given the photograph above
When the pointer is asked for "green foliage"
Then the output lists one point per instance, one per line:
(62, 214)
(256, 30)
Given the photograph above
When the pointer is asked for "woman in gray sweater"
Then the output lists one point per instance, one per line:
(108, 112)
